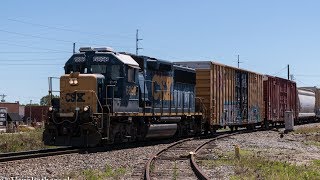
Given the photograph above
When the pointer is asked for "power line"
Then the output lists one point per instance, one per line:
(280, 71)
(10, 64)
(26, 60)
(51, 39)
(308, 75)
(32, 47)
(30, 52)
(67, 29)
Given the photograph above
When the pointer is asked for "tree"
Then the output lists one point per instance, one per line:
(45, 100)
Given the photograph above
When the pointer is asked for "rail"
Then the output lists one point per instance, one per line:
(14, 156)
(195, 168)
(151, 160)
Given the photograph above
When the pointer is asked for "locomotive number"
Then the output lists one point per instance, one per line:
(72, 97)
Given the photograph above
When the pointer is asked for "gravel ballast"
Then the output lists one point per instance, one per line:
(290, 148)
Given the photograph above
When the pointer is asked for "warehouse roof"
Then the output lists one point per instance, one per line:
(14, 117)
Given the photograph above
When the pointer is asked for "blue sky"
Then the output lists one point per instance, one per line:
(36, 36)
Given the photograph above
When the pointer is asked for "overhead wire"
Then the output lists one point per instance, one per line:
(52, 39)
(26, 60)
(32, 47)
(274, 74)
(67, 29)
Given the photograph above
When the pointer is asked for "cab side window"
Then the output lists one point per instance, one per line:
(115, 72)
(131, 74)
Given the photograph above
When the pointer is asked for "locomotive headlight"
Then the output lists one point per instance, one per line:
(86, 108)
(50, 108)
(73, 81)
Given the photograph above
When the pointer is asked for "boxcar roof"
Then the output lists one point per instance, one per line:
(207, 65)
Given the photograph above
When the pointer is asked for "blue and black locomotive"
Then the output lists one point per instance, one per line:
(111, 97)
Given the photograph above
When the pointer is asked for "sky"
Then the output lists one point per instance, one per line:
(36, 37)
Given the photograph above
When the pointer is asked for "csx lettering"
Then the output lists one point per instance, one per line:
(165, 83)
(72, 97)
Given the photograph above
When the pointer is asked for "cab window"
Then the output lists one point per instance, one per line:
(115, 72)
(99, 69)
(131, 74)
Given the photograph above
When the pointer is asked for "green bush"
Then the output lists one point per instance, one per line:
(23, 141)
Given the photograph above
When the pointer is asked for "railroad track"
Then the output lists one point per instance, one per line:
(178, 161)
(5, 157)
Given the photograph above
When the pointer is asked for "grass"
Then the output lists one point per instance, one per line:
(313, 143)
(23, 141)
(308, 130)
(175, 171)
(253, 166)
(108, 173)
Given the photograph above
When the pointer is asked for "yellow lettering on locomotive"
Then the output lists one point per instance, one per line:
(165, 83)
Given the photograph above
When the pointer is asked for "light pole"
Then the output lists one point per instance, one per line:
(30, 111)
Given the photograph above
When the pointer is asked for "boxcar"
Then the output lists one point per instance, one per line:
(280, 95)
(232, 97)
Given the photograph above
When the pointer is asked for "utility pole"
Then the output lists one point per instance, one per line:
(30, 111)
(239, 61)
(74, 48)
(288, 72)
(137, 42)
(2, 97)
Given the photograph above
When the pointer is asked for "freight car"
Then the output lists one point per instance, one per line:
(280, 95)
(110, 97)
(316, 92)
(232, 97)
(306, 105)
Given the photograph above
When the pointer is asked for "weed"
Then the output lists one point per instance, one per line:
(90, 174)
(175, 171)
(307, 130)
(23, 141)
(252, 166)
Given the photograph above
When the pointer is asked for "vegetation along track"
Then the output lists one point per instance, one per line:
(177, 161)
(5, 157)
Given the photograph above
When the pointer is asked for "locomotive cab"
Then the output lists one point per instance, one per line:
(95, 82)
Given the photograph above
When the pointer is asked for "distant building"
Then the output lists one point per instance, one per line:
(11, 107)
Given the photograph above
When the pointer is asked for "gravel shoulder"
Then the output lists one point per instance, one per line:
(131, 161)
(272, 145)
(292, 148)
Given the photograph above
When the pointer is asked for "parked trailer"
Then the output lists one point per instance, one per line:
(306, 102)
(280, 95)
(232, 97)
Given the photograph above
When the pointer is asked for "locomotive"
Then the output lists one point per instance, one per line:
(110, 97)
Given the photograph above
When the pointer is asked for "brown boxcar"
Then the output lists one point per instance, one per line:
(232, 97)
(38, 113)
(280, 95)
